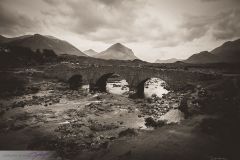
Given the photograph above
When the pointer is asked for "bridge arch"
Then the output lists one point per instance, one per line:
(75, 81)
(140, 88)
(101, 83)
(157, 86)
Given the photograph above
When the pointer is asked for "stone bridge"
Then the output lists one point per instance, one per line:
(96, 76)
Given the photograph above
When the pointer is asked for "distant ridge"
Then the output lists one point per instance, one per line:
(90, 52)
(171, 60)
(228, 52)
(41, 42)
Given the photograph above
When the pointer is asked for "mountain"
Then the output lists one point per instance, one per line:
(117, 51)
(41, 42)
(229, 51)
(202, 57)
(3, 39)
(90, 52)
(171, 60)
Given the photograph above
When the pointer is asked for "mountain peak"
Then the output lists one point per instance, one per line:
(37, 35)
(117, 51)
(90, 52)
(119, 47)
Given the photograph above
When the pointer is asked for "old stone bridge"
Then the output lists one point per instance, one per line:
(96, 76)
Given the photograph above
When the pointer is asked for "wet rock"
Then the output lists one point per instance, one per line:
(173, 116)
(18, 104)
(183, 107)
(128, 132)
(150, 122)
(120, 122)
(111, 138)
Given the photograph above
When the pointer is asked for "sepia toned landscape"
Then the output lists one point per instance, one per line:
(115, 101)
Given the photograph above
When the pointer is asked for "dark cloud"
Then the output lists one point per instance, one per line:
(13, 24)
(195, 27)
(223, 26)
(111, 2)
(228, 25)
(230, 1)
(210, 0)
(90, 16)
(51, 2)
(128, 21)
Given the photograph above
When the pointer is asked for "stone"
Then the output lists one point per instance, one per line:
(128, 132)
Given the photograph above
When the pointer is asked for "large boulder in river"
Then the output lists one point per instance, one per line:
(172, 116)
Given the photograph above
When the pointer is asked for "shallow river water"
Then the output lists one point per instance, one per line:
(153, 86)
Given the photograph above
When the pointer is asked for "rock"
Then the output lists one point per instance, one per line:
(111, 138)
(150, 122)
(175, 105)
(183, 107)
(128, 132)
(173, 116)
(18, 104)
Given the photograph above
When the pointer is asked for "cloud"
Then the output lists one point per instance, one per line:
(113, 3)
(119, 20)
(195, 27)
(227, 26)
(85, 17)
(223, 26)
(157, 23)
(210, 0)
(16, 23)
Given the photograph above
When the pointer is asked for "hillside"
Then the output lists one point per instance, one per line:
(202, 57)
(41, 42)
(229, 51)
(90, 52)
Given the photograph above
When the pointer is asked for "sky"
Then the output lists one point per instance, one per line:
(153, 29)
